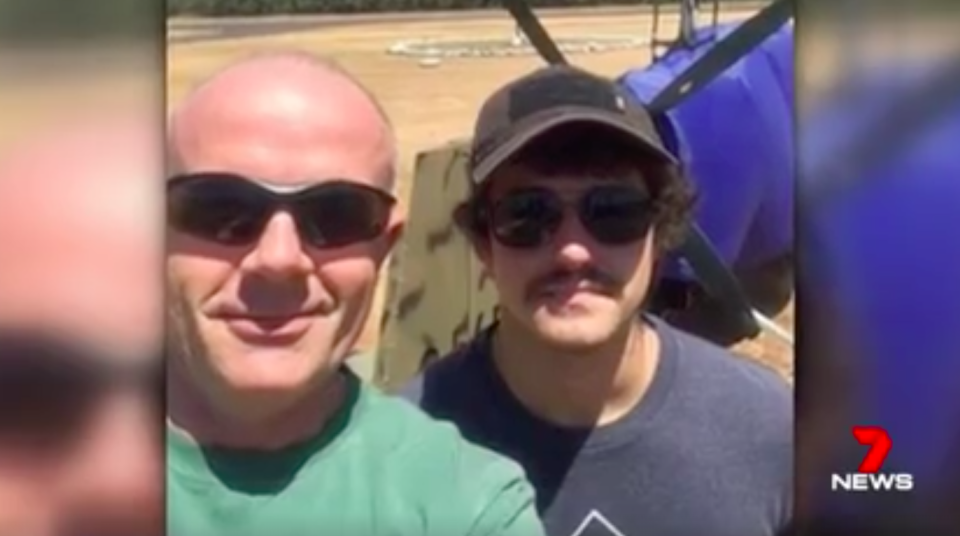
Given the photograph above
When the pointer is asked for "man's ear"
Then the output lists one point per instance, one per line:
(391, 235)
(481, 248)
(394, 234)
(464, 219)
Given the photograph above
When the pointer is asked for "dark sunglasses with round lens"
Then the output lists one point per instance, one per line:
(528, 218)
(233, 210)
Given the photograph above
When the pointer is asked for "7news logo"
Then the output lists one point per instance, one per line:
(868, 476)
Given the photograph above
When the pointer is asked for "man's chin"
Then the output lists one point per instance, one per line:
(251, 367)
(572, 334)
(249, 370)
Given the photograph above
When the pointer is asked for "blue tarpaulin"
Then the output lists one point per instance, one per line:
(735, 139)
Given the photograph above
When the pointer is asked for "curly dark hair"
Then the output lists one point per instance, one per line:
(591, 150)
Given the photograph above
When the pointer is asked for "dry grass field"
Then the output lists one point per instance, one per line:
(432, 105)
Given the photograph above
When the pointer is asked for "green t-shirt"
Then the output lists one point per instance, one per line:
(381, 467)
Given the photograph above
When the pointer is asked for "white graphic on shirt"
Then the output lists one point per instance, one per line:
(596, 525)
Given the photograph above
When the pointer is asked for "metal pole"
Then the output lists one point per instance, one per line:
(655, 31)
(771, 327)
(688, 22)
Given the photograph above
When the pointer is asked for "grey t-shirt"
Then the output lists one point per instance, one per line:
(707, 452)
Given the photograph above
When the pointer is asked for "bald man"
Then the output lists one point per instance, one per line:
(281, 212)
(80, 330)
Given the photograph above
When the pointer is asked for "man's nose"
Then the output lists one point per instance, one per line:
(572, 244)
(279, 253)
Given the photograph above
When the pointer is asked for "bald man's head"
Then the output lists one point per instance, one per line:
(285, 117)
(253, 276)
(81, 233)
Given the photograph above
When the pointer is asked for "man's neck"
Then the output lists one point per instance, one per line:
(251, 423)
(593, 387)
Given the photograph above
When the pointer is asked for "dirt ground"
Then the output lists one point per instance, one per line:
(432, 105)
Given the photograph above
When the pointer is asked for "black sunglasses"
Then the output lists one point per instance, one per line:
(233, 210)
(528, 218)
(49, 387)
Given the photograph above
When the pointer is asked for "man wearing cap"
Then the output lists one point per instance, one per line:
(625, 425)
(281, 213)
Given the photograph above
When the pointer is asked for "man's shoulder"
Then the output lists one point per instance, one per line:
(471, 480)
(406, 423)
(733, 415)
(703, 360)
(414, 433)
(732, 389)
(443, 380)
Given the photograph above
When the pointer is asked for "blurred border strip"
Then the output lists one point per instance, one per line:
(876, 77)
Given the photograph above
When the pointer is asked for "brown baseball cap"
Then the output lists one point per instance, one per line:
(550, 97)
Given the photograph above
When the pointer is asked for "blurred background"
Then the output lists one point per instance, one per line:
(80, 268)
(878, 290)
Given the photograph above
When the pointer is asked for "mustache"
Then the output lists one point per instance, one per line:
(596, 279)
